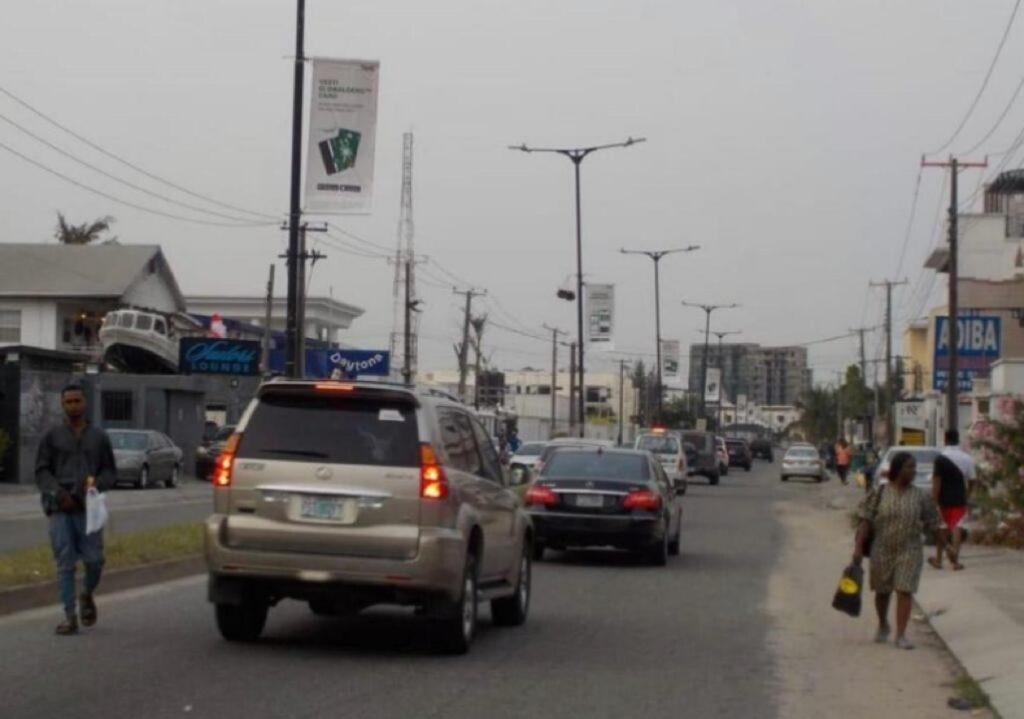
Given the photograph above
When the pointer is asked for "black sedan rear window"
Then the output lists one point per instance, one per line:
(597, 465)
(333, 429)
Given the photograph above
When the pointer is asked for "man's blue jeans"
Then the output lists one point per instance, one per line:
(70, 543)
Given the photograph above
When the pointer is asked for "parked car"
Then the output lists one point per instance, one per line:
(802, 461)
(667, 447)
(596, 497)
(346, 495)
(723, 456)
(523, 462)
(207, 452)
(923, 456)
(145, 458)
(739, 454)
(706, 463)
(762, 449)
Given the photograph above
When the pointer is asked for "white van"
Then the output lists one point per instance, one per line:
(668, 447)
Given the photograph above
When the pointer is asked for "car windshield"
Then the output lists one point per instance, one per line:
(597, 465)
(531, 449)
(659, 444)
(127, 441)
(802, 453)
(333, 429)
(735, 444)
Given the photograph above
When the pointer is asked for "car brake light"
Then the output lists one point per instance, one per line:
(333, 387)
(539, 494)
(226, 461)
(433, 482)
(642, 499)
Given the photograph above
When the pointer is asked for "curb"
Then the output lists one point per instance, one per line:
(32, 596)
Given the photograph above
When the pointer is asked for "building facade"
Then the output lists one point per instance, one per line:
(764, 375)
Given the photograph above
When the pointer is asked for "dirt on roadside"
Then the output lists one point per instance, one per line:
(827, 664)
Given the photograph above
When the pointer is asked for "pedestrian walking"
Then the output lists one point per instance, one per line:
(893, 519)
(844, 458)
(952, 481)
(74, 457)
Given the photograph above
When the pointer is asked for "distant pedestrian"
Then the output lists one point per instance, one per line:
(895, 515)
(514, 443)
(952, 481)
(844, 458)
(74, 457)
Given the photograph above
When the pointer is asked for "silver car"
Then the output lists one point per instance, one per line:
(802, 461)
(924, 457)
(145, 458)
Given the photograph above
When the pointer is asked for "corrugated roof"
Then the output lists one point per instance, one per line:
(36, 270)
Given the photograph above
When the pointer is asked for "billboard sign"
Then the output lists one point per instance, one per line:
(342, 136)
(713, 387)
(211, 355)
(349, 364)
(979, 344)
(670, 359)
(600, 309)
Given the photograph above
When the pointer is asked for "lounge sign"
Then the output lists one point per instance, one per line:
(205, 355)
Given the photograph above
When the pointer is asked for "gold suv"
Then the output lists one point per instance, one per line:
(346, 495)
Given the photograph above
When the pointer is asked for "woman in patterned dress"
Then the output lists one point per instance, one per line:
(898, 514)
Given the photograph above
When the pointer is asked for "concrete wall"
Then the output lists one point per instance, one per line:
(38, 321)
(985, 251)
(151, 291)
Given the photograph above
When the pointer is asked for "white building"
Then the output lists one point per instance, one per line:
(326, 317)
(55, 296)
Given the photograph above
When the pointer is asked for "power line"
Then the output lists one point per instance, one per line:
(910, 221)
(984, 83)
(999, 121)
(125, 162)
(126, 203)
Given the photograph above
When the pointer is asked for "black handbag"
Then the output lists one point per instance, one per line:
(869, 537)
(847, 598)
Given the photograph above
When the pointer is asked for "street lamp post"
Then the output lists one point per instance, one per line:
(577, 155)
(708, 309)
(721, 365)
(656, 256)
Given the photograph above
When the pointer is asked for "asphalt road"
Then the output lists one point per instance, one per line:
(607, 637)
(22, 523)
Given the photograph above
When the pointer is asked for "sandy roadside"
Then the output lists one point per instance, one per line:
(827, 663)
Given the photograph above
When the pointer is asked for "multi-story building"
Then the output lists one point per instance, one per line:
(765, 375)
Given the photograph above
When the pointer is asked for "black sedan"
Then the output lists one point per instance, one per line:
(598, 497)
(209, 450)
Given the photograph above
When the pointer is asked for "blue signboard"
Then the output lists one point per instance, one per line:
(979, 344)
(211, 355)
(322, 363)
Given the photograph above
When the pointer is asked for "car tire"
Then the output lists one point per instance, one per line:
(657, 553)
(455, 631)
(750, 467)
(819, 479)
(785, 478)
(242, 622)
(713, 479)
(538, 551)
(511, 611)
(172, 481)
(143, 481)
(676, 544)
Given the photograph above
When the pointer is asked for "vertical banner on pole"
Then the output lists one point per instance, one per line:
(713, 389)
(600, 308)
(342, 136)
(670, 359)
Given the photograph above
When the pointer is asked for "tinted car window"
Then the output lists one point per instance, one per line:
(659, 445)
(459, 444)
(599, 465)
(802, 453)
(699, 440)
(490, 466)
(531, 448)
(333, 429)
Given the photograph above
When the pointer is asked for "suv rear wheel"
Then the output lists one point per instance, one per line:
(456, 630)
(242, 622)
(511, 611)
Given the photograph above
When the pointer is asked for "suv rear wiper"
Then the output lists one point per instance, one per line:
(296, 452)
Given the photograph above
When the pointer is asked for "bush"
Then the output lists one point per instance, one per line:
(1001, 499)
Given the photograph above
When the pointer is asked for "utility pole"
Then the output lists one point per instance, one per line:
(708, 309)
(554, 378)
(573, 407)
(265, 360)
(839, 404)
(622, 386)
(953, 322)
(863, 356)
(298, 359)
(890, 422)
(295, 340)
(411, 306)
(721, 366)
(464, 347)
(655, 256)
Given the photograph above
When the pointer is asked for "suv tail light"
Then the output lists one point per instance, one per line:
(433, 482)
(539, 494)
(226, 462)
(642, 499)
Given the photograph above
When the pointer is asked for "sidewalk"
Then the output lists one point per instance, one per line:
(979, 614)
(20, 502)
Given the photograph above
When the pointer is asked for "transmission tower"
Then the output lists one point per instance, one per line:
(405, 261)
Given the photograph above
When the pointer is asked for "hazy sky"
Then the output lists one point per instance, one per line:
(783, 136)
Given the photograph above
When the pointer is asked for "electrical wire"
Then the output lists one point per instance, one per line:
(984, 83)
(127, 203)
(999, 121)
(910, 221)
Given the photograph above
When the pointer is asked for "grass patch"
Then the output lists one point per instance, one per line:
(970, 691)
(35, 564)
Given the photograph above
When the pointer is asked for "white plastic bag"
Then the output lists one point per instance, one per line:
(95, 511)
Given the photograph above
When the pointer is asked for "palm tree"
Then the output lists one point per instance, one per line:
(84, 234)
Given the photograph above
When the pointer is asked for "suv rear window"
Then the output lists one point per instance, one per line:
(332, 430)
(659, 444)
(700, 440)
(597, 465)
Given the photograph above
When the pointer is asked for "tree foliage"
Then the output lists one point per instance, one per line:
(818, 414)
(1002, 475)
(84, 234)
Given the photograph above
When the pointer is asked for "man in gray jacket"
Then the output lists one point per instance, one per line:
(72, 458)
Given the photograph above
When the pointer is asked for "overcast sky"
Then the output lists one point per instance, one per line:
(783, 136)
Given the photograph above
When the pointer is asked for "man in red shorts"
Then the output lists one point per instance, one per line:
(952, 481)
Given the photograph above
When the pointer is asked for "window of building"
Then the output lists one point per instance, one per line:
(544, 389)
(117, 405)
(10, 326)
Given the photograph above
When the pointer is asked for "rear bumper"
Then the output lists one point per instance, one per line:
(792, 471)
(585, 530)
(435, 569)
(740, 461)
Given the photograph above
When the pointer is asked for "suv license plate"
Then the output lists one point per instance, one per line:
(589, 500)
(325, 509)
